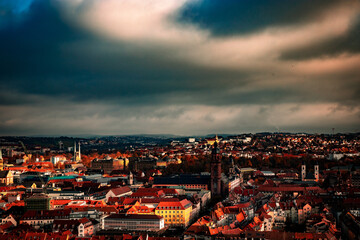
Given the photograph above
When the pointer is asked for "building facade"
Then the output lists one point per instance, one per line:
(42, 218)
(175, 213)
(38, 202)
(134, 222)
(6, 178)
(107, 164)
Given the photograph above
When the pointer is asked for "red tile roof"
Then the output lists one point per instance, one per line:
(84, 220)
(59, 201)
(65, 225)
(120, 190)
(174, 204)
(140, 209)
(117, 200)
(240, 217)
(5, 226)
(231, 232)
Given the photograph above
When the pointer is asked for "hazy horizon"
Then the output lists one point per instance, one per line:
(170, 135)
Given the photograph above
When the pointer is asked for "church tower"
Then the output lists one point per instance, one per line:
(303, 171)
(1, 161)
(232, 167)
(74, 158)
(215, 171)
(316, 171)
(78, 159)
(77, 153)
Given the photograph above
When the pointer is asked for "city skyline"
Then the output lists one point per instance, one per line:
(183, 67)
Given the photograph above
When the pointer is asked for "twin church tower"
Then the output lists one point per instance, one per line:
(216, 184)
(303, 172)
(77, 153)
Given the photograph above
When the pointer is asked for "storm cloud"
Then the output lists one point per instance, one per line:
(182, 67)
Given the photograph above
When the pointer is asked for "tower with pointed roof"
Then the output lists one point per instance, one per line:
(1, 161)
(303, 171)
(74, 158)
(77, 153)
(316, 171)
(232, 167)
(215, 170)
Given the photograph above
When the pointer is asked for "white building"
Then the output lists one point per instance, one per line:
(134, 222)
(118, 192)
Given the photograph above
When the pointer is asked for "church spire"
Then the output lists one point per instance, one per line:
(232, 167)
(79, 154)
(216, 187)
(75, 152)
(316, 171)
(1, 161)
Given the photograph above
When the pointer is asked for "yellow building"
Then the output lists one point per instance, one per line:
(161, 163)
(211, 141)
(6, 178)
(175, 213)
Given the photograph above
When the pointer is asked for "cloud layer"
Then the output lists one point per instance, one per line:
(182, 67)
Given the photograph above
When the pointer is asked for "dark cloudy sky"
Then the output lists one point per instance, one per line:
(179, 66)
